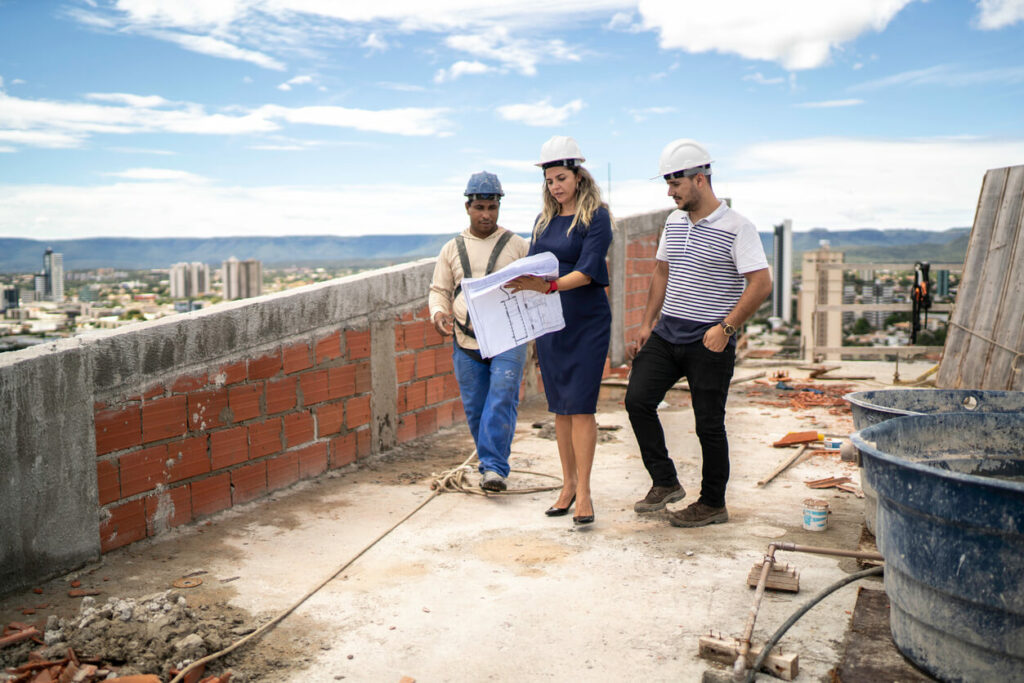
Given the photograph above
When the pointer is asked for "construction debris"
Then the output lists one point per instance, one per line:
(780, 578)
(827, 482)
(726, 650)
(797, 438)
(784, 465)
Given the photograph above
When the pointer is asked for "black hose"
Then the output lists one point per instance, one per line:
(777, 636)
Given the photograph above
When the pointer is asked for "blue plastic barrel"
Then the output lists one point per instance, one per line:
(950, 492)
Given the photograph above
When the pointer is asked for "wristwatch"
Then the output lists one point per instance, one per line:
(727, 328)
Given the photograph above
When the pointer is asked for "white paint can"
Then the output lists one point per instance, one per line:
(815, 514)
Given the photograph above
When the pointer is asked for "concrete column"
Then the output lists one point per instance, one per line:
(384, 380)
(617, 292)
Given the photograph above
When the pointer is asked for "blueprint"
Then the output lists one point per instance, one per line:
(503, 320)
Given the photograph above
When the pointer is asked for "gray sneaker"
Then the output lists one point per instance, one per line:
(492, 481)
(658, 497)
(698, 514)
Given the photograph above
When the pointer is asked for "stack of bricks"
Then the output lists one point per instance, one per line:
(428, 394)
(640, 264)
(206, 441)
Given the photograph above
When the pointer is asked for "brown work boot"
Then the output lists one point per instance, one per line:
(698, 514)
(658, 497)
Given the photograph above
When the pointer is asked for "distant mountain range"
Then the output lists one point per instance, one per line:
(26, 255)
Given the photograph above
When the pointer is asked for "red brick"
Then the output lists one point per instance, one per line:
(183, 385)
(414, 333)
(118, 428)
(314, 387)
(231, 374)
(425, 363)
(125, 524)
(458, 412)
(358, 344)
(108, 480)
(265, 366)
(343, 450)
(244, 401)
(405, 366)
(207, 409)
(451, 387)
(163, 418)
(229, 447)
(444, 414)
(188, 458)
(297, 358)
(328, 348)
(362, 443)
(298, 429)
(248, 482)
(364, 378)
(416, 396)
(264, 438)
(168, 509)
(152, 392)
(282, 471)
(399, 337)
(281, 395)
(341, 381)
(426, 422)
(312, 459)
(406, 428)
(406, 317)
(210, 495)
(143, 470)
(329, 418)
(431, 337)
(357, 411)
(443, 360)
(435, 390)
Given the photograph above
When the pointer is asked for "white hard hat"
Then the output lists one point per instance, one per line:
(683, 155)
(560, 148)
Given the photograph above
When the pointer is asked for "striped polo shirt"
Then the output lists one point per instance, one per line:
(706, 265)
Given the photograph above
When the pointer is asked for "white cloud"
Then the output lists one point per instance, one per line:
(375, 43)
(518, 54)
(215, 47)
(141, 150)
(799, 34)
(43, 123)
(159, 174)
(541, 113)
(513, 165)
(829, 104)
(6, 150)
(760, 79)
(946, 75)
(401, 87)
(461, 68)
(298, 80)
(996, 14)
(623, 21)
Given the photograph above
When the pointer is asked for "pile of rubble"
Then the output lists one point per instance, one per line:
(149, 639)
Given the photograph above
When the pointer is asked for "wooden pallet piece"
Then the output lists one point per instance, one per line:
(780, 577)
(785, 666)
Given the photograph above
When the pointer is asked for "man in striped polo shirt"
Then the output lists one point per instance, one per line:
(710, 276)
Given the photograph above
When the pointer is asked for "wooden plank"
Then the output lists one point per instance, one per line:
(780, 578)
(1009, 326)
(957, 339)
(725, 650)
(993, 281)
(782, 466)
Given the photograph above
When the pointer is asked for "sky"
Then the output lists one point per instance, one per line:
(201, 118)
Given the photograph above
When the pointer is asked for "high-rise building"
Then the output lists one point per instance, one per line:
(189, 280)
(53, 272)
(9, 299)
(242, 279)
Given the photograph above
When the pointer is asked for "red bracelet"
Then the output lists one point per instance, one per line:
(553, 287)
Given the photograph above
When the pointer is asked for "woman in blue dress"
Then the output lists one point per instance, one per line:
(576, 227)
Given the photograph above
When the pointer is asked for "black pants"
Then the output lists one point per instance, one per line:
(656, 368)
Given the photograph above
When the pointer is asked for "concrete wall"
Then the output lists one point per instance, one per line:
(110, 438)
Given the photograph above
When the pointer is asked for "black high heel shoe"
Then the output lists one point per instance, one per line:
(558, 512)
(583, 519)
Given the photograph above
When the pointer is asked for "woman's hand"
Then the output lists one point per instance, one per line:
(528, 282)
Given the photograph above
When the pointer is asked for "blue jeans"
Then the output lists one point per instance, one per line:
(490, 396)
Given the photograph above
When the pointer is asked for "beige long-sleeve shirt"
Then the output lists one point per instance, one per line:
(448, 274)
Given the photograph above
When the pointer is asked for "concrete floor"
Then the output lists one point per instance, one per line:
(473, 588)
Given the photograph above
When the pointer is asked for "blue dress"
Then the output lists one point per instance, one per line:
(572, 359)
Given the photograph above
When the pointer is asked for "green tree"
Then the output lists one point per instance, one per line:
(862, 326)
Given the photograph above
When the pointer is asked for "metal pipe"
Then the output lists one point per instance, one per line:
(740, 665)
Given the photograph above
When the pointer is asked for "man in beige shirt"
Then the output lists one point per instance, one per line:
(489, 386)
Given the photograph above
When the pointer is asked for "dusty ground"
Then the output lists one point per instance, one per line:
(475, 588)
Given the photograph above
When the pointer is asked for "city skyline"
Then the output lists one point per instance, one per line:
(250, 117)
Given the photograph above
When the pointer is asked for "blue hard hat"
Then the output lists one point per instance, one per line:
(484, 183)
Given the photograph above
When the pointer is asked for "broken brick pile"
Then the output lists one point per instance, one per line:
(155, 636)
(216, 437)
